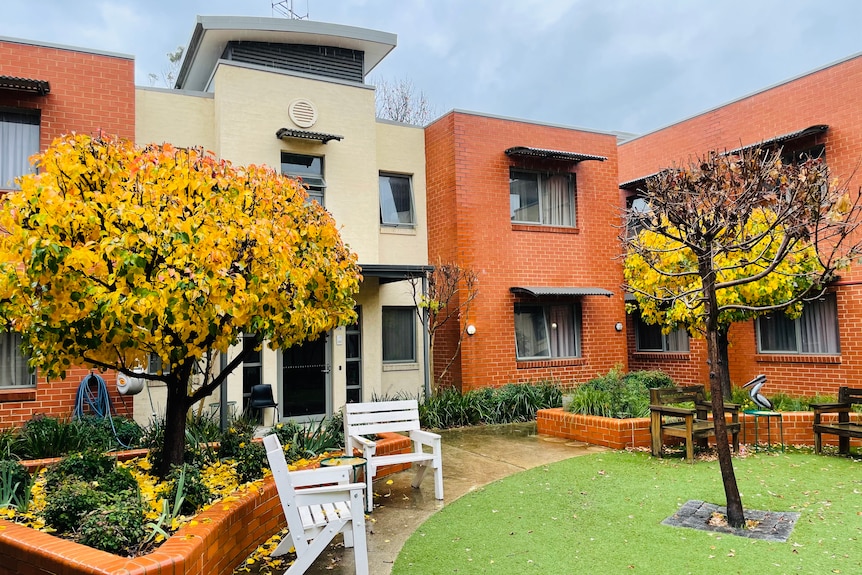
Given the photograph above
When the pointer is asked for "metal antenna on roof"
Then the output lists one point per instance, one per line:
(285, 8)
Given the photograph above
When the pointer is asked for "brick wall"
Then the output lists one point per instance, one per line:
(469, 220)
(831, 96)
(90, 93)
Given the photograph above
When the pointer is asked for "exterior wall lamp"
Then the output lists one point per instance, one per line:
(471, 329)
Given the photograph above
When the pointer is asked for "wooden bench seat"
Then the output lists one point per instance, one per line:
(841, 425)
(688, 423)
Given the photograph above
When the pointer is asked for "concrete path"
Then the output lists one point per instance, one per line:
(472, 457)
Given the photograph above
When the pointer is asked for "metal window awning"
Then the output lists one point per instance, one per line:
(560, 291)
(541, 153)
(786, 138)
(29, 85)
(640, 183)
(388, 273)
(306, 135)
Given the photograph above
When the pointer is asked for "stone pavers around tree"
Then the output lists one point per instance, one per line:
(769, 525)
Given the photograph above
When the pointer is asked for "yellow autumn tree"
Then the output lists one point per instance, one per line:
(114, 252)
(731, 237)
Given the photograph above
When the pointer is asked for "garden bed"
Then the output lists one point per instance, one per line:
(634, 432)
(214, 543)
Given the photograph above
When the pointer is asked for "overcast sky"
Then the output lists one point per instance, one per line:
(610, 65)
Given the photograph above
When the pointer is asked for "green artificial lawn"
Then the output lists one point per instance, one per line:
(602, 513)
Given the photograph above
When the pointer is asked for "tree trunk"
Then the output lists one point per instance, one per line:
(719, 379)
(718, 368)
(724, 364)
(173, 451)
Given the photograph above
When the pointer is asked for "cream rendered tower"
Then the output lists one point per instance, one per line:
(292, 94)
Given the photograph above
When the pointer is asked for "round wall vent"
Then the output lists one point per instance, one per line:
(302, 113)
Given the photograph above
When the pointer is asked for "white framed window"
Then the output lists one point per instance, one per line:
(399, 334)
(19, 139)
(309, 169)
(396, 200)
(814, 332)
(542, 198)
(547, 331)
(14, 371)
(649, 338)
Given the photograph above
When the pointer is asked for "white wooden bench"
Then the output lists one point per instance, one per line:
(369, 419)
(315, 515)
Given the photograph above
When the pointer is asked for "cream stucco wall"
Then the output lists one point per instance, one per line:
(238, 120)
(401, 150)
(180, 118)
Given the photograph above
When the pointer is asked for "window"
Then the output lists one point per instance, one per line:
(396, 200)
(399, 334)
(353, 359)
(648, 337)
(815, 332)
(638, 208)
(252, 366)
(19, 139)
(545, 199)
(14, 371)
(547, 331)
(309, 169)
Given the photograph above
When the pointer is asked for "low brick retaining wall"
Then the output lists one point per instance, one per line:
(222, 538)
(623, 433)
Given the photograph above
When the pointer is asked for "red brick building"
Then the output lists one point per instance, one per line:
(46, 91)
(819, 112)
(533, 210)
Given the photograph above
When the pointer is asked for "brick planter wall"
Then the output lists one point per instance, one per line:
(224, 536)
(623, 433)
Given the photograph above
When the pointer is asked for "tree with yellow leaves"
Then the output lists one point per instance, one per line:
(113, 253)
(731, 237)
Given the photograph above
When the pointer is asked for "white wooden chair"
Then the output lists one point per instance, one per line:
(361, 419)
(316, 514)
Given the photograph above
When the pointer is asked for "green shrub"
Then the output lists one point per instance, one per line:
(509, 403)
(302, 441)
(44, 437)
(120, 481)
(9, 443)
(70, 502)
(116, 528)
(89, 465)
(618, 394)
(14, 484)
(250, 462)
(196, 493)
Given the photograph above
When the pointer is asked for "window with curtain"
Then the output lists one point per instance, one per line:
(307, 168)
(547, 331)
(542, 198)
(648, 337)
(19, 139)
(14, 371)
(814, 332)
(396, 200)
(399, 334)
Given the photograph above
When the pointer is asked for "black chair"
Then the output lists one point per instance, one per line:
(261, 398)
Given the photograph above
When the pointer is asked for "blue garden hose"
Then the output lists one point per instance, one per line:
(97, 401)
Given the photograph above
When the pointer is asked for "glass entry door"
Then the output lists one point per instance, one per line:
(305, 379)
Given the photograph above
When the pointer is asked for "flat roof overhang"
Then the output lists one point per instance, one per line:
(388, 273)
(559, 155)
(547, 291)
